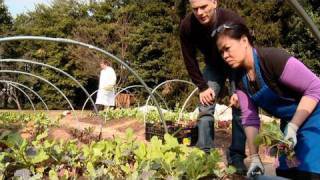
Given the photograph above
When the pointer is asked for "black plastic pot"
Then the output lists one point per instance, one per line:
(177, 130)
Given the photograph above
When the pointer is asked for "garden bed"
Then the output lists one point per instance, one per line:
(117, 127)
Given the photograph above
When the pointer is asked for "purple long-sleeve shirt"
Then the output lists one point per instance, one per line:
(295, 76)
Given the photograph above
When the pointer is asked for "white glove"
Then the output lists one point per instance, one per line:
(290, 133)
(255, 165)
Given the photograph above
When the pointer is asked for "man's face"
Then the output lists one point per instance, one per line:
(204, 10)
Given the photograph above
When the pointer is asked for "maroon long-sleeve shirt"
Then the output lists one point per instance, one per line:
(194, 36)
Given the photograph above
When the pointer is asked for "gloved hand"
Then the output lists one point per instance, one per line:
(290, 133)
(254, 165)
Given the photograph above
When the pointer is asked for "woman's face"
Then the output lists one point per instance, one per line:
(103, 65)
(233, 51)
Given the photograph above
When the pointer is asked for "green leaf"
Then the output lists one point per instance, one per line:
(154, 148)
(170, 157)
(39, 157)
(129, 135)
(267, 140)
(231, 170)
(91, 170)
(42, 136)
(53, 175)
(170, 141)
(141, 151)
(258, 140)
(14, 139)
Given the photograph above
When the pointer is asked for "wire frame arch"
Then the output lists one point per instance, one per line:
(28, 88)
(24, 93)
(46, 81)
(56, 69)
(73, 42)
(161, 84)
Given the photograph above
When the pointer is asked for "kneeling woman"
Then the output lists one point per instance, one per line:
(280, 84)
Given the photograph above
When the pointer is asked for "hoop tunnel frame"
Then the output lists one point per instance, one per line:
(35, 93)
(57, 69)
(45, 80)
(69, 41)
(23, 92)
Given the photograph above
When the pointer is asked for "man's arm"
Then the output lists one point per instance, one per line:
(189, 56)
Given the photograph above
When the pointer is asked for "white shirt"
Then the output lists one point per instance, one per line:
(107, 81)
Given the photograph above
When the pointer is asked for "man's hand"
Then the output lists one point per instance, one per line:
(234, 101)
(290, 133)
(207, 97)
(255, 165)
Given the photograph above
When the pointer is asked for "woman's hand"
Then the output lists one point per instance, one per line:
(234, 101)
(290, 133)
(255, 165)
(304, 110)
(207, 97)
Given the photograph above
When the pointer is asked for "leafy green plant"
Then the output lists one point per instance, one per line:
(119, 158)
(15, 120)
(271, 136)
(153, 116)
(109, 114)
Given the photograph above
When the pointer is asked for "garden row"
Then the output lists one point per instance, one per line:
(118, 158)
(182, 126)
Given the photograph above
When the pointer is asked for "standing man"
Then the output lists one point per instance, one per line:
(107, 81)
(195, 34)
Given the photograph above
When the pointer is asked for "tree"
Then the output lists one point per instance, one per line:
(56, 20)
(144, 34)
(298, 38)
(5, 19)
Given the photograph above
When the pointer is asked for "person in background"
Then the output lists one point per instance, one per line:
(195, 35)
(283, 86)
(107, 81)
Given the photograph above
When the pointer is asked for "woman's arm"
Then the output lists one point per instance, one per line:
(298, 77)
(250, 120)
(251, 123)
(249, 112)
(304, 109)
(251, 133)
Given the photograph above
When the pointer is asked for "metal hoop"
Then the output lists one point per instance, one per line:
(68, 41)
(29, 90)
(59, 70)
(45, 80)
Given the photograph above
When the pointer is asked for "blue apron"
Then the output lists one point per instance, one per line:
(308, 136)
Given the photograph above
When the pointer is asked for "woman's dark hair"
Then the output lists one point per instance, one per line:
(104, 61)
(233, 30)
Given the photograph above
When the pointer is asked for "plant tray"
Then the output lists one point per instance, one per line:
(177, 130)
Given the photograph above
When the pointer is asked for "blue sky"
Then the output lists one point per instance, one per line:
(20, 6)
